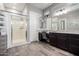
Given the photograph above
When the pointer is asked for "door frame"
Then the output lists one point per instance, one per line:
(9, 30)
(13, 45)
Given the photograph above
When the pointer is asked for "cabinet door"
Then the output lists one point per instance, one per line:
(74, 44)
(40, 37)
(62, 41)
(74, 40)
(74, 49)
(52, 39)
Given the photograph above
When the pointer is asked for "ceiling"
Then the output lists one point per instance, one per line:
(15, 6)
(41, 5)
(21, 6)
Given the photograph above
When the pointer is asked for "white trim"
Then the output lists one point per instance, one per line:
(8, 21)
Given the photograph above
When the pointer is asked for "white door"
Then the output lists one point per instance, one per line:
(34, 26)
(19, 26)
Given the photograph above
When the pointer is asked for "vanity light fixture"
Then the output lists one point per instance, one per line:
(61, 11)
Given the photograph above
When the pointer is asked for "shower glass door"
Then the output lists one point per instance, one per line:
(19, 28)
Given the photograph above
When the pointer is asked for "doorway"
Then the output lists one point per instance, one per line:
(19, 30)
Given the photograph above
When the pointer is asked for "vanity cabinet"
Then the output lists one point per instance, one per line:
(74, 43)
(44, 37)
(52, 39)
(59, 40)
(40, 37)
(65, 41)
(62, 41)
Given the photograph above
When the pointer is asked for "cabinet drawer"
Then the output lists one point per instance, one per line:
(61, 36)
(73, 36)
(74, 41)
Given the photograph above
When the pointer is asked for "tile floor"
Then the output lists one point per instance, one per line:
(37, 49)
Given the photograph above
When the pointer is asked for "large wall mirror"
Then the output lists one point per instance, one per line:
(55, 24)
(42, 23)
(62, 24)
(48, 23)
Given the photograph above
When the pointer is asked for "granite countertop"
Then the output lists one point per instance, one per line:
(69, 32)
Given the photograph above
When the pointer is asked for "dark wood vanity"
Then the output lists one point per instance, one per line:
(65, 41)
